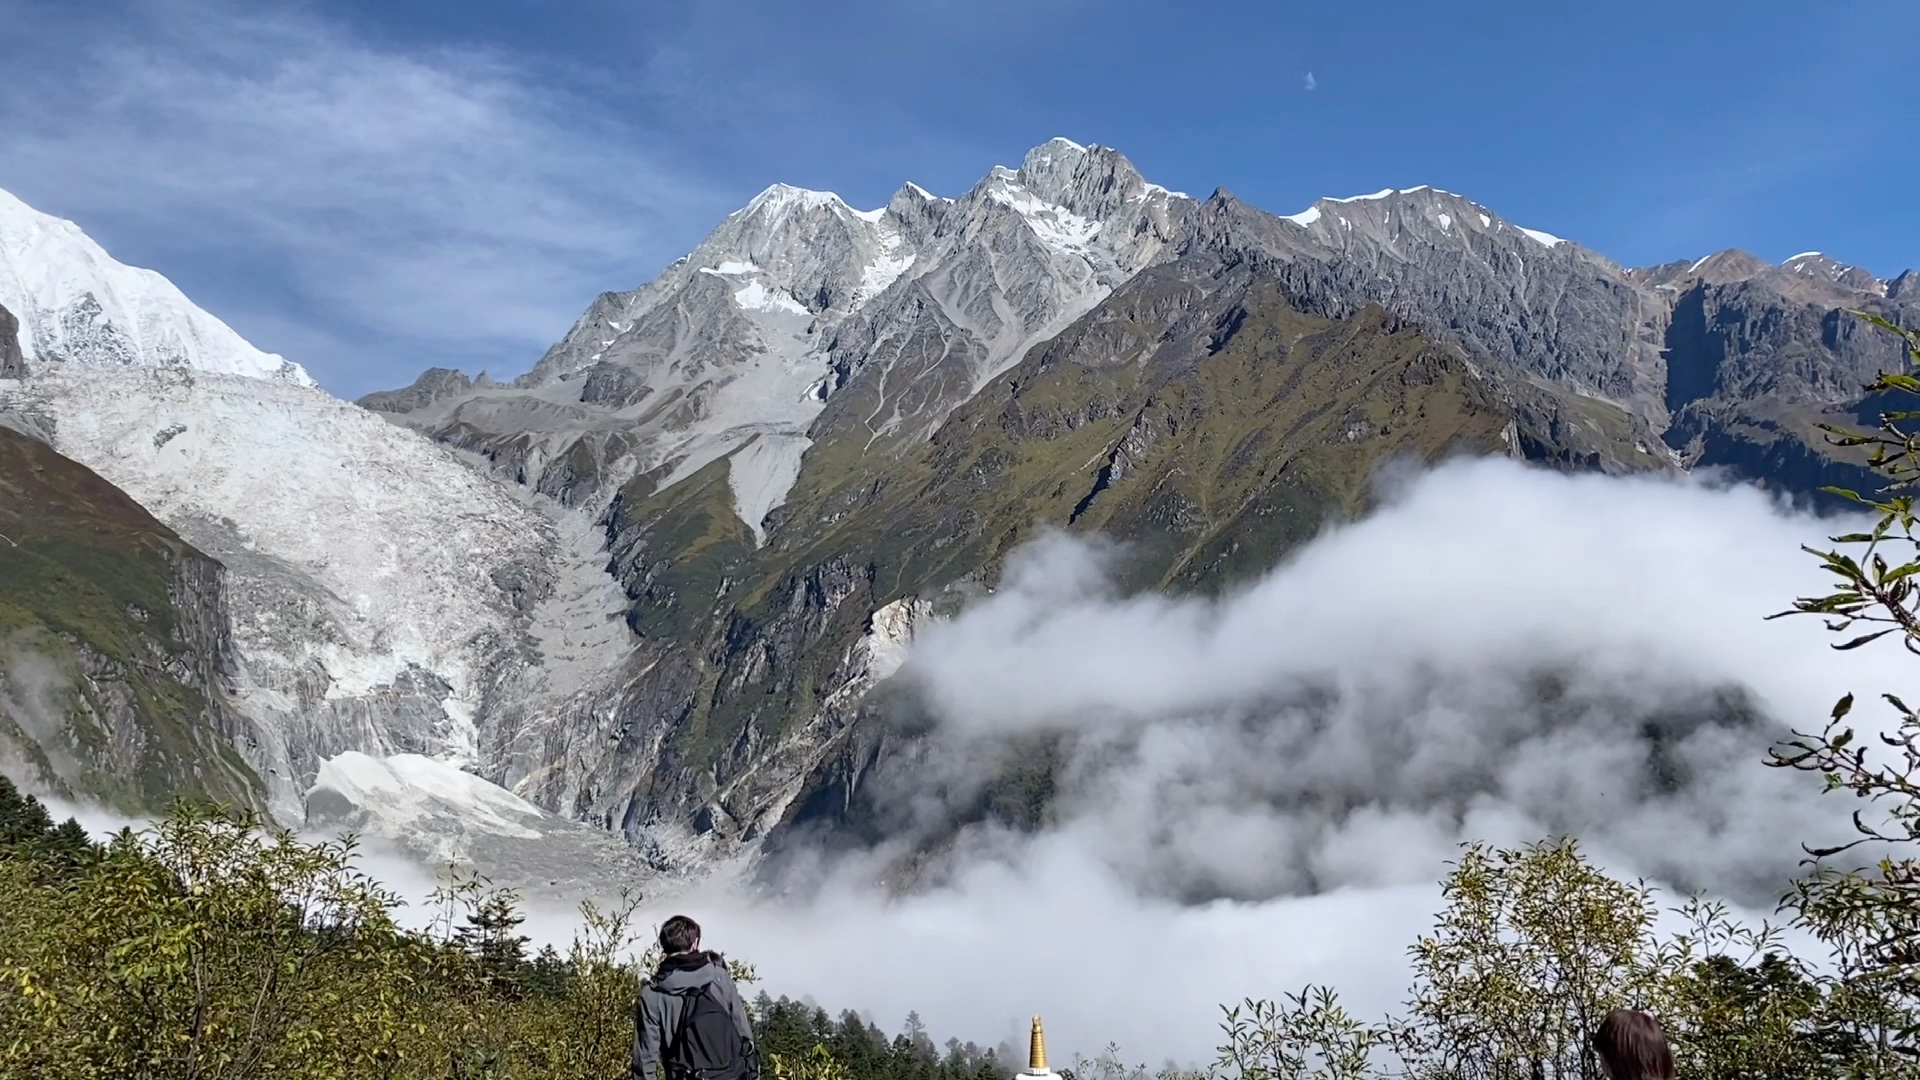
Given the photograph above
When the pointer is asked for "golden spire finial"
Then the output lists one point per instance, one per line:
(1037, 1050)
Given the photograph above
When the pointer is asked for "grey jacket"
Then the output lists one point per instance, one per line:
(657, 1016)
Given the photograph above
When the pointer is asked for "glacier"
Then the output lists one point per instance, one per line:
(366, 563)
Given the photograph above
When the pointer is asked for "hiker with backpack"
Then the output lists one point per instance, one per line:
(690, 1023)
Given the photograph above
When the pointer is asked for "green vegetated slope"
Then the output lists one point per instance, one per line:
(112, 633)
(1194, 416)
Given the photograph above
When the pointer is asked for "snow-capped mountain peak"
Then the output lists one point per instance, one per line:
(77, 304)
(779, 199)
(1818, 265)
(734, 350)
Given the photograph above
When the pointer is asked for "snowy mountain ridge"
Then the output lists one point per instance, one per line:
(78, 305)
(734, 351)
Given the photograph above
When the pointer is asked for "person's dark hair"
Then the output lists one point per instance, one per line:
(679, 935)
(1633, 1046)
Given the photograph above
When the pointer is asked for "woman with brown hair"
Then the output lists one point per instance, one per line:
(1632, 1047)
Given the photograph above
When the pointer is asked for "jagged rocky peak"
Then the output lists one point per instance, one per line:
(813, 246)
(918, 210)
(791, 251)
(1070, 194)
(76, 304)
(432, 385)
(1727, 267)
(1095, 181)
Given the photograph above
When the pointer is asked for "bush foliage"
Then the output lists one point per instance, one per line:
(211, 948)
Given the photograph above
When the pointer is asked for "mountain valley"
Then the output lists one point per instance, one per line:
(647, 587)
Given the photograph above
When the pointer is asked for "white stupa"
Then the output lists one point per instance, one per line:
(1037, 1054)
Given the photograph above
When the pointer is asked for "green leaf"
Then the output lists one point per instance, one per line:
(1865, 638)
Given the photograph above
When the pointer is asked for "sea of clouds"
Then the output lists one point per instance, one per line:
(1261, 790)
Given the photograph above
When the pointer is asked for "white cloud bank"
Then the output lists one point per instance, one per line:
(1306, 753)
(1261, 790)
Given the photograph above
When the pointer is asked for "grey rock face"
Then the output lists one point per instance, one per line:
(1819, 267)
(740, 349)
(1013, 262)
(12, 364)
(1510, 295)
(432, 385)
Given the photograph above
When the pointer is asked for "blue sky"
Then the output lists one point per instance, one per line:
(373, 188)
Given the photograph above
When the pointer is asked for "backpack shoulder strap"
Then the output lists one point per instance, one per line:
(687, 1000)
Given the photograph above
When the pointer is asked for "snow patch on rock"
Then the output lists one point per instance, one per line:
(756, 296)
(761, 473)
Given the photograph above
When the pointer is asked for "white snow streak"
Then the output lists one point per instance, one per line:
(1381, 194)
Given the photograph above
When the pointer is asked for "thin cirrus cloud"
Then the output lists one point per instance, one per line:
(442, 204)
(1311, 82)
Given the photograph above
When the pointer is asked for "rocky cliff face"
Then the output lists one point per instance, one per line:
(12, 364)
(1757, 356)
(800, 314)
(115, 648)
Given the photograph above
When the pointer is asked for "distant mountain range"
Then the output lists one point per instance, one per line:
(647, 585)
